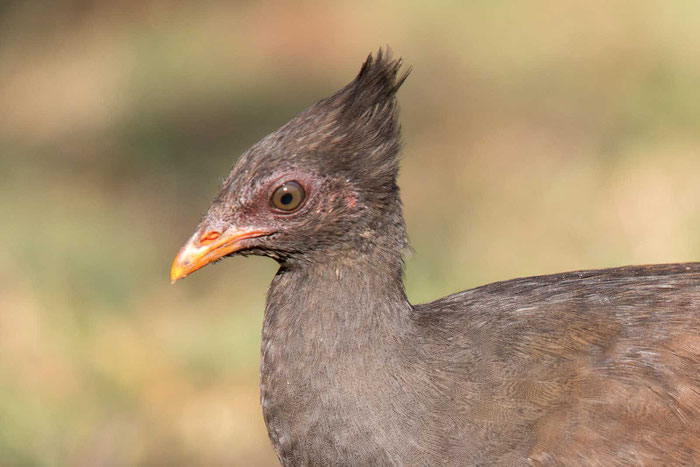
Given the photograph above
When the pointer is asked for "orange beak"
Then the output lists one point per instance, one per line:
(204, 247)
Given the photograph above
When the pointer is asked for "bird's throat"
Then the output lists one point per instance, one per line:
(326, 329)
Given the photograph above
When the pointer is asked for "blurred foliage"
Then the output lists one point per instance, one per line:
(540, 137)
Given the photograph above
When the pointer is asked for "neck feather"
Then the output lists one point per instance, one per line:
(328, 299)
(331, 334)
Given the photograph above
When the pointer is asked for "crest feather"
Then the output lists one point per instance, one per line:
(354, 133)
(370, 99)
(382, 73)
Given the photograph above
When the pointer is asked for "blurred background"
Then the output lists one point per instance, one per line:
(540, 137)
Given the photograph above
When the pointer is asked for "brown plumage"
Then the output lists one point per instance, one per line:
(582, 368)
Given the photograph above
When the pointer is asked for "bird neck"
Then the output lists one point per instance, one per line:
(331, 335)
(332, 298)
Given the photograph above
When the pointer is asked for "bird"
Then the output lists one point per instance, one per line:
(592, 367)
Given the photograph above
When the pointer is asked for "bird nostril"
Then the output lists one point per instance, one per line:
(209, 237)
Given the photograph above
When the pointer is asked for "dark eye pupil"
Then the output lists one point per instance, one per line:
(286, 198)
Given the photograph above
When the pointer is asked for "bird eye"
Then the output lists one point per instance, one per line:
(288, 196)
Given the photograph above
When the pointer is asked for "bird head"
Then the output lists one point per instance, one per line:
(320, 188)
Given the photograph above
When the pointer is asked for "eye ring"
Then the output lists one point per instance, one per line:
(288, 197)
